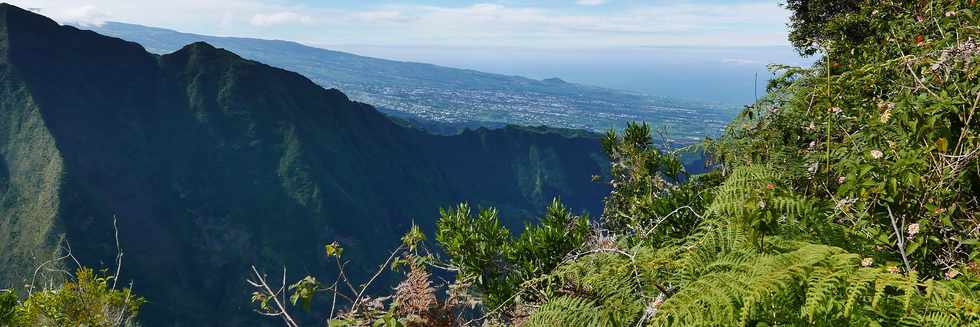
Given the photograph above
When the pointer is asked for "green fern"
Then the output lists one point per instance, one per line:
(570, 311)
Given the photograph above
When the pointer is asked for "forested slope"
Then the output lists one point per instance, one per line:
(208, 163)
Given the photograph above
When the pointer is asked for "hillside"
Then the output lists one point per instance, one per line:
(457, 96)
(212, 162)
(847, 196)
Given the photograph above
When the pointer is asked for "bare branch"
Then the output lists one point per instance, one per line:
(264, 287)
(333, 303)
(901, 239)
(31, 287)
(381, 269)
(343, 275)
(119, 253)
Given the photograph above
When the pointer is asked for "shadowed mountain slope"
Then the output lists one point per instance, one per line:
(212, 163)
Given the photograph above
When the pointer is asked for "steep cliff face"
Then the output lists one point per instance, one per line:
(210, 163)
(31, 170)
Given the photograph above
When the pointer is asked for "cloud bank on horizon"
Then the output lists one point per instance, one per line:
(488, 23)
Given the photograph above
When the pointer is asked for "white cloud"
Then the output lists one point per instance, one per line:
(670, 24)
(380, 16)
(87, 15)
(680, 23)
(591, 2)
(202, 16)
(280, 18)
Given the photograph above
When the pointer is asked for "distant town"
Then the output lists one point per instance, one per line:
(520, 107)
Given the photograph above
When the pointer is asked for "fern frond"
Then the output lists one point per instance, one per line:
(569, 311)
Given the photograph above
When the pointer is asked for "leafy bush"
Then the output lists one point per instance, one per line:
(493, 271)
(884, 129)
(86, 300)
(645, 181)
(499, 264)
(8, 307)
(478, 247)
(849, 193)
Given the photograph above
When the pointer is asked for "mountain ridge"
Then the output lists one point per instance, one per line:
(208, 163)
(452, 95)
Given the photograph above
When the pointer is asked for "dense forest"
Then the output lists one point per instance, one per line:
(847, 196)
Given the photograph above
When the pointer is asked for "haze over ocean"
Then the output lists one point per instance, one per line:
(722, 74)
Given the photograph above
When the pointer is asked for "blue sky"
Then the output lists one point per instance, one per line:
(493, 23)
(696, 49)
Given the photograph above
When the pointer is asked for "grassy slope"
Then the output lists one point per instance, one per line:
(30, 179)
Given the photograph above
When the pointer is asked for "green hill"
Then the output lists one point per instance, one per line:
(212, 163)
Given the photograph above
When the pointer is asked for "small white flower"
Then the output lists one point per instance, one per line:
(813, 144)
(913, 229)
(813, 168)
(867, 262)
(841, 179)
(950, 13)
(877, 154)
(762, 204)
(836, 110)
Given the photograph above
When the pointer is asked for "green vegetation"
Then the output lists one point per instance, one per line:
(498, 264)
(847, 196)
(87, 299)
(213, 163)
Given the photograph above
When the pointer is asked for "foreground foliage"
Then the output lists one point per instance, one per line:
(87, 299)
(847, 196)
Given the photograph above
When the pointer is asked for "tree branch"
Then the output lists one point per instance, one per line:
(264, 286)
